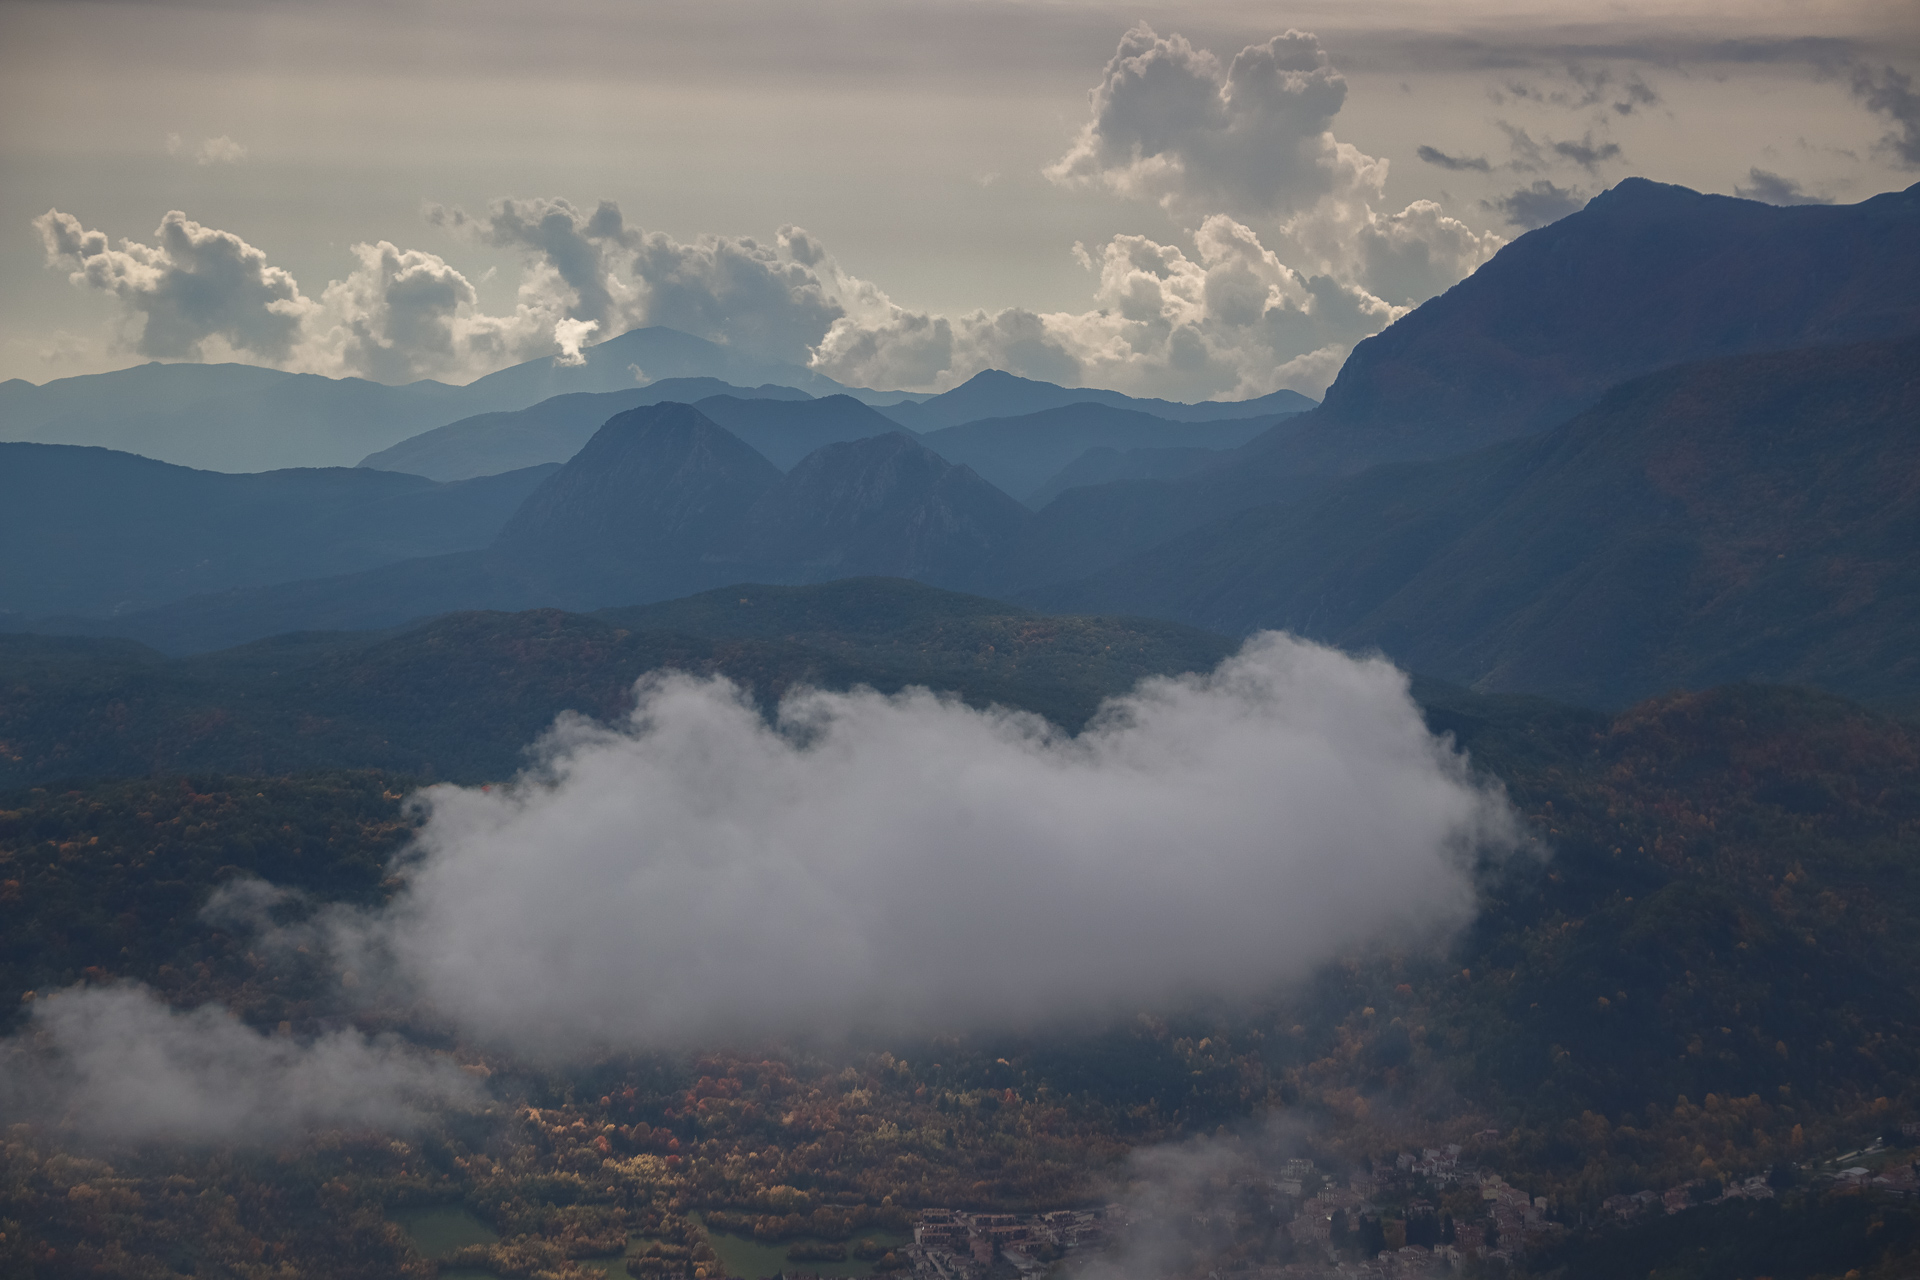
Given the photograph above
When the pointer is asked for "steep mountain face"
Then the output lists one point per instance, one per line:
(551, 431)
(786, 431)
(886, 505)
(1752, 518)
(94, 531)
(994, 394)
(1021, 454)
(656, 485)
(1646, 276)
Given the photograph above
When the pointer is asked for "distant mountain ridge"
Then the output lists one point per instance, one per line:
(997, 394)
(1020, 454)
(1644, 277)
(884, 505)
(548, 432)
(1748, 518)
(241, 418)
(95, 531)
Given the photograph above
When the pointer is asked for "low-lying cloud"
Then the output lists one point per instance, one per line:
(704, 874)
(120, 1065)
(699, 874)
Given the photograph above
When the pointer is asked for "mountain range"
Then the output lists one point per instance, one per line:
(1748, 518)
(1647, 275)
(243, 418)
(1505, 489)
(96, 531)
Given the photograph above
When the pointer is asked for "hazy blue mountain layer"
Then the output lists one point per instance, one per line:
(648, 354)
(785, 432)
(549, 432)
(655, 489)
(661, 502)
(1103, 464)
(226, 417)
(1750, 518)
(1021, 454)
(241, 418)
(884, 505)
(995, 394)
(95, 531)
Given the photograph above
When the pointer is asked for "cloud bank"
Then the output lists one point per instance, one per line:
(1290, 265)
(120, 1065)
(1283, 263)
(699, 875)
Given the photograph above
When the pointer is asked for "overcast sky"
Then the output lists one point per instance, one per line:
(1174, 199)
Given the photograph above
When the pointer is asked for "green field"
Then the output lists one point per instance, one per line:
(748, 1259)
(438, 1231)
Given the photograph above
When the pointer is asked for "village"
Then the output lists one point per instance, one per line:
(1428, 1214)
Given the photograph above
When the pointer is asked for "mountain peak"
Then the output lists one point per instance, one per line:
(660, 480)
(885, 505)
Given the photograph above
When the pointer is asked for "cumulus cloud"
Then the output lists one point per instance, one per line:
(1248, 143)
(118, 1064)
(193, 286)
(1231, 319)
(776, 299)
(405, 314)
(699, 874)
(1772, 188)
(1538, 204)
(199, 293)
(1253, 137)
(1285, 264)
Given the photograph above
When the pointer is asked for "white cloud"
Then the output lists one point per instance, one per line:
(1232, 320)
(776, 300)
(193, 285)
(1252, 138)
(400, 314)
(1309, 266)
(405, 314)
(121, 1065)
(697, 875)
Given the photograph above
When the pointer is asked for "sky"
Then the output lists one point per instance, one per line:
(1200, 200)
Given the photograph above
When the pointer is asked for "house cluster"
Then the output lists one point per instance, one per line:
(1893, 1179)
(949, 1244)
